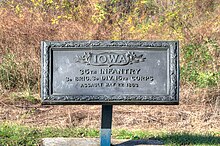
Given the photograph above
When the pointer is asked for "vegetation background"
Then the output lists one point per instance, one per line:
(195, 23)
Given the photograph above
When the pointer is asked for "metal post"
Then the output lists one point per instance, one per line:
(106, 125)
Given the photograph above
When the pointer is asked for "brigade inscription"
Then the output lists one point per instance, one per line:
(110, 72)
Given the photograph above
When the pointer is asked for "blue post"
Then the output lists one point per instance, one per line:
(106, 125)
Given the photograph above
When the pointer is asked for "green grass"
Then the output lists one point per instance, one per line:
(178, 139)
(18, 135)
(14, 135)
(171, 139)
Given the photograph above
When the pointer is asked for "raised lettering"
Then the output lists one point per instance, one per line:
(102, 58)
(113, 58)
(122, 59)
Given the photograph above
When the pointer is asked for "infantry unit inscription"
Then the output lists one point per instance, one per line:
(110, 72)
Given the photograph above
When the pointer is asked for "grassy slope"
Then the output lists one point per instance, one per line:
(195, 24)
(24, 24)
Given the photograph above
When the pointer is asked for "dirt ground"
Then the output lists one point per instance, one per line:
(190, 115)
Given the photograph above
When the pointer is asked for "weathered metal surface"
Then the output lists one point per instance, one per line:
(110, 72)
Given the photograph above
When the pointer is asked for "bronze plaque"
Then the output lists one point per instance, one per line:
(110, 72)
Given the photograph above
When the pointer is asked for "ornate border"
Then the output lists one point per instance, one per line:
(172, 98)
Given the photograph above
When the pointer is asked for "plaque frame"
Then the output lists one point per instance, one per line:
(46, 59)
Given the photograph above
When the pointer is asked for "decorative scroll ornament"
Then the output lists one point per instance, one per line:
(109, 59)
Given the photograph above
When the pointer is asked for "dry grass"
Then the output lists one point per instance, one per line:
(191, 115)
(21, 34)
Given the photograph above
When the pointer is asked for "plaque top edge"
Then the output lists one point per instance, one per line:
(109, 43)
(147, 41)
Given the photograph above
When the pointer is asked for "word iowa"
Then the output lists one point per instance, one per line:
(109, 59)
